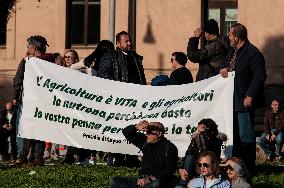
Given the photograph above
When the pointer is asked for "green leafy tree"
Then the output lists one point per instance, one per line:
(6, 7)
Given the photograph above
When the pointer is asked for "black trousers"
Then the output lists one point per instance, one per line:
(28, 144)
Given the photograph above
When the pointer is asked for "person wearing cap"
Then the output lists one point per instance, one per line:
(209, 171)
(159, 160)
(211, 55)
(236, 171)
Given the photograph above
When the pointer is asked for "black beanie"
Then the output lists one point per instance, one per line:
(211, 27)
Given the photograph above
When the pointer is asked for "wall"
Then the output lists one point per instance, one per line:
(264, 20)
(162, 28)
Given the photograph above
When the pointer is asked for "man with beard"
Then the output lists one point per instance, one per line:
(124, 65)
(250, 74)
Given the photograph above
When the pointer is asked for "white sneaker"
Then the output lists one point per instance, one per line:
(92, 162)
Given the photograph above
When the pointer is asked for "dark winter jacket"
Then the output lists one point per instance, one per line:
(19, 77)
(270, 123)
(159, 158)
(209, 58)
(203, 142)
(250, 75)
(180, 76)
(115, 65)
(4, 120)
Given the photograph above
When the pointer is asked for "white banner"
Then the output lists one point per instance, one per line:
(64, 106)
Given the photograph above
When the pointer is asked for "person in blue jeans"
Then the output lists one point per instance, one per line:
(247, 63)
(273, 131)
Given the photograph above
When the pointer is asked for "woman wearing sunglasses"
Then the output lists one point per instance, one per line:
(236, 172)
(210, 175)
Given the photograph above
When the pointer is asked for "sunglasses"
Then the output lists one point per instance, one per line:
(152, 133)
(205, 165)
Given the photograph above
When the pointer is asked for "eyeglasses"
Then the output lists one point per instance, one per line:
(205, 165)
(151, 132)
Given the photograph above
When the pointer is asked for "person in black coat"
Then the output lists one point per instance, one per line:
(122, 64)
(181, 75)
(8, 128)
(250, 75)
(212, 55)
(159, 160)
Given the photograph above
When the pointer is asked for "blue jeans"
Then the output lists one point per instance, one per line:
(131, 182)
(267, 146)
(19, 140)
(246, 126)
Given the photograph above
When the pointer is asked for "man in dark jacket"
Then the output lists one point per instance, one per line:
(123, 64)
(212, 55)
(159, 159)
(36, 48)
(250, 74)
(7, 128)
(273, 131)
(181, 75)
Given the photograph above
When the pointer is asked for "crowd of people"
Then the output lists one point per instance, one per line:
(201, 166)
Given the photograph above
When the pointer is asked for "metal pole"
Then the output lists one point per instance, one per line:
(132, 21)
(111, 20)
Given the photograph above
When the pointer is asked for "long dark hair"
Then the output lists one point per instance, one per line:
(103, 47)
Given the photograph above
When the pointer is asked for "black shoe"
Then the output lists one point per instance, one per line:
(6, 157)
(21, 161)
(38, 162)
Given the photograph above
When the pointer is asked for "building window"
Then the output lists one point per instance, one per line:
(225, 12)
(3, 34)
(83, 25)
(2, 38)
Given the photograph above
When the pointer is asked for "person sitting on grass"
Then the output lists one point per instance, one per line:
(210, 174)
(236, 171)
(159, 160)
(206, 138)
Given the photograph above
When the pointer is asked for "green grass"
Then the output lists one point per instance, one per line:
(99, 176)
